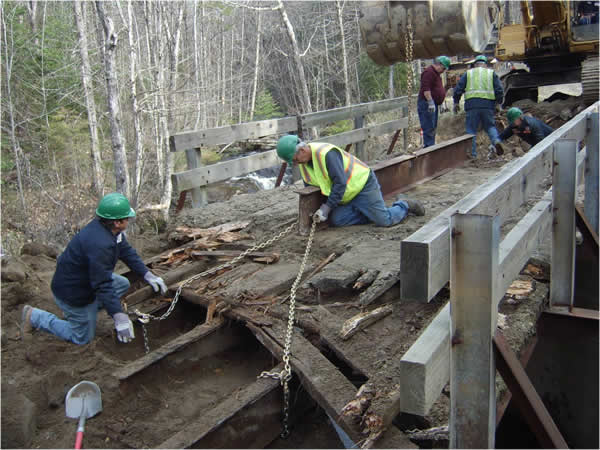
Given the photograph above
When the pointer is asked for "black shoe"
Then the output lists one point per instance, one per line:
(499, 148)
(415, 207)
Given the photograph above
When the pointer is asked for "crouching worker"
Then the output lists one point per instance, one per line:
(84, 281)
(352, 190)
(528, 128)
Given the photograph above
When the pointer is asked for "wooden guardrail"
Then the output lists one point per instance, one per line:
(425, 367)
(197, 176)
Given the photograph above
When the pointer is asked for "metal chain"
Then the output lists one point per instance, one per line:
(286, 374)
(409, 59)
(145, 318)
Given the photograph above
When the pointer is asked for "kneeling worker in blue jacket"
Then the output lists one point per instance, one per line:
(84, 281)
(352, 190)
(528, 128)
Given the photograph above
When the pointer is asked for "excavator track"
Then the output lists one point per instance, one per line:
(590, 80)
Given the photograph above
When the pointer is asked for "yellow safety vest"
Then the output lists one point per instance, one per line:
(480, 84)
(358, 172)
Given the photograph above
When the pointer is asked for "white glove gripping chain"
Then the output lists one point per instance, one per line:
(145, 318)
(286, 374)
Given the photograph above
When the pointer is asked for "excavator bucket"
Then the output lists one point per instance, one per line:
(439, 28)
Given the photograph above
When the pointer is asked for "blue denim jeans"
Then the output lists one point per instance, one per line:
(428, 122)
(485, 116)
(368, 206)
(79, 325)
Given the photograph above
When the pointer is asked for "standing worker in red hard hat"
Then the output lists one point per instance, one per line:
(431, 95)
(352, 190)
(483, 91)
(84, 281)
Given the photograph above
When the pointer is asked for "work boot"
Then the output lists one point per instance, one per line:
(415, 207)
(26, 327)
(499, 148)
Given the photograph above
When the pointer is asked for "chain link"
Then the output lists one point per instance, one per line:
(286, 374)
(145, 318)
(408, 41)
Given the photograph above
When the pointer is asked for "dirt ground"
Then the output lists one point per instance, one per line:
(38, 371)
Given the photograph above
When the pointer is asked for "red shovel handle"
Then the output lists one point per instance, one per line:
(79, 439)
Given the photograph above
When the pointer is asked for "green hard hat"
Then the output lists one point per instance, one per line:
(286, 147)
(114, 206)
(481, 58)
(513, 114)
(444, 61)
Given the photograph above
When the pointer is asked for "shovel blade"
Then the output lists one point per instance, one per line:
(85, 399)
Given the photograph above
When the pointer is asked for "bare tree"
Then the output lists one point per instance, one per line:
(116, 133)
(340, 7)
(90, 103)
(299, 66)
(256, 66)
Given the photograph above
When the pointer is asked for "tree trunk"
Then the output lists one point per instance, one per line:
(305, 97)
(242, 65)
(340, 8)
(256, 66)
(90, 103)
(116, 133)
(391, 82)
(8, 58)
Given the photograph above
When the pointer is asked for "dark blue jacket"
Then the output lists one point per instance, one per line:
(84, 270)
(531, 130)
(474, 103)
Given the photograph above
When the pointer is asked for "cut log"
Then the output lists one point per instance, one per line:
(378, 288)
(363, 320)
(366, 279)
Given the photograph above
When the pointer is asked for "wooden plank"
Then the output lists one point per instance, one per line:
(323, 381)
(233, 422)
(362, 134)
(349, 112)
(194, 161)
(425, 367)
(519, 244)
(425, 255)
(199, 332)
(562, 268)
(231, 133)
(524, 395)
(473, 268)
(202, 176)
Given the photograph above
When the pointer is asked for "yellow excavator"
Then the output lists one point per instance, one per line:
(557, 40)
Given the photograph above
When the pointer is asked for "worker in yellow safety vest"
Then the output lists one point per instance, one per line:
(352, 190)
(483, 91)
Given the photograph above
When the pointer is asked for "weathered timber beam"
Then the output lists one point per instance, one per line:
(249, 419)
(361, 134)
(396, 174)
(323, 381)
(170, 277)
(348, 112)
(425, 255)
(202, 176)
(363, 320)
(198, 333)
(229, 133)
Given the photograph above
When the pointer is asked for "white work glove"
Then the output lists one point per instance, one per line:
(456, 108)
(156, 282)
(322, 213)
(430, 106)
(124, 327)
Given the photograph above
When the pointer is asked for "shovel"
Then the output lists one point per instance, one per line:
(83, 400)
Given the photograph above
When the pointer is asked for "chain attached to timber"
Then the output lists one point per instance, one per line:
(145, 318)
(408, 41)
(286, 374)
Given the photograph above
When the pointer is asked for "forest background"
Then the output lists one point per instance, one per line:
(91, 92)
